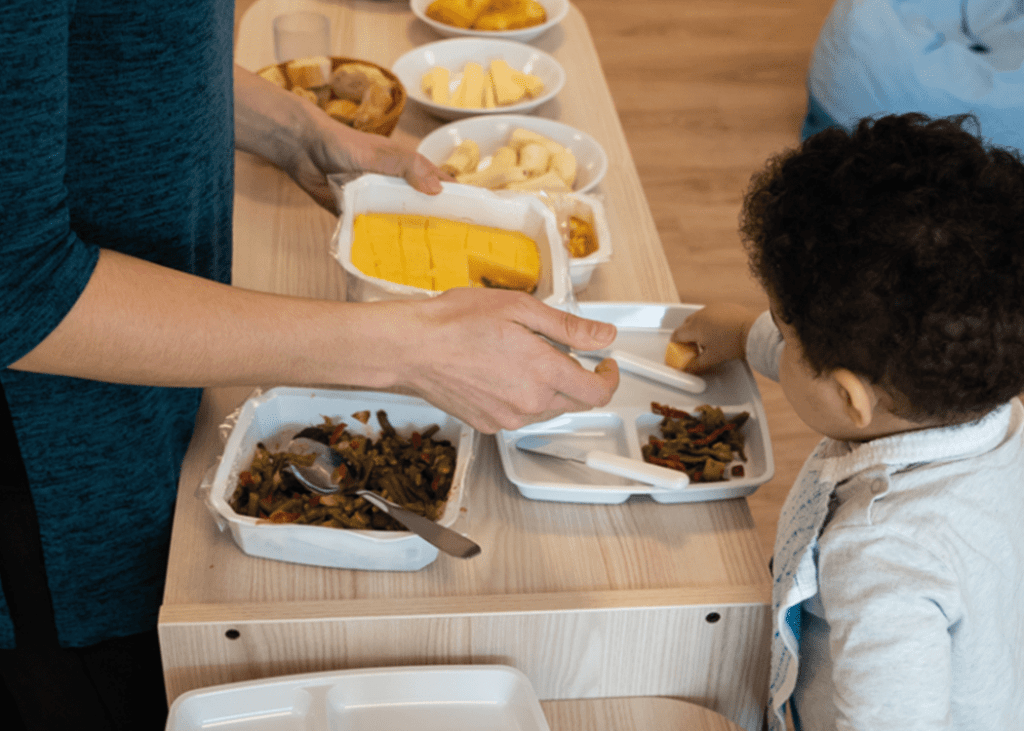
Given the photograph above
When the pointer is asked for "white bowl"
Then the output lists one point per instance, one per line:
(273, 418)
(492, 131)
(515, 212)
(556, 11)
(455, 53)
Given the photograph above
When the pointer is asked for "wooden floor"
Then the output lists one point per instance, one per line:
(707, 90)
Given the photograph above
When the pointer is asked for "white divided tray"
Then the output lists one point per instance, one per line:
(625, 424)
(429, 698)
(273, 418)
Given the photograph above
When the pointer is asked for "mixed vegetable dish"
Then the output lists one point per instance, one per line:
(702, 445)
(415, 472)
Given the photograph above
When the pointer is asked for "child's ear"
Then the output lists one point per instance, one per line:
(859, 399)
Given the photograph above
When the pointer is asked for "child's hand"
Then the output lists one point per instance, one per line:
(720, 333)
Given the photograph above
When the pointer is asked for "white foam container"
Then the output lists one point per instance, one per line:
(419, 698)
(273, 418)
(591, 209)
(514, 212)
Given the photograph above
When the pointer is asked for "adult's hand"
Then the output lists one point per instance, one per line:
(308, 144)
(336, 148)
(479, 354)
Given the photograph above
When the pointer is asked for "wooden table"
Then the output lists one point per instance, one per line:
(633, 714)
(590, 601)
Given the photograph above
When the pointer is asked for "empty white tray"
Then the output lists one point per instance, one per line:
(425, 698)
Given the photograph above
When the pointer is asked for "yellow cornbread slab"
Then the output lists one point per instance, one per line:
(363, 257)
(438, 254)
(485, 272)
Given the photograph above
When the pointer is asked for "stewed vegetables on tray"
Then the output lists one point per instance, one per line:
(415, 472)
(702, 445)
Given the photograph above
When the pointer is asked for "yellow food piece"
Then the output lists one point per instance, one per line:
(534, 159)
(679, 355)
(459, 13)
(306, 94)
(496, 179)
(563, 164)
(309, 72)
(549, 181)
(464, 158)
(275, 76)
(496, 15)
(530, 83)
(436, 84)
(528, 162)
(498, 86)
(490, 102)
(375, 102)
(506, 90)
(582, 237)
(341, 109)
(351, 80)
(438, 254)
(511, 15)
(470, 92)
(521, 137)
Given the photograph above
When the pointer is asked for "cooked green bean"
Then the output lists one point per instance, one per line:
(415, 472)
(701, 446)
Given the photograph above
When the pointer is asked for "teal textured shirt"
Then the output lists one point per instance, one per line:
(117, 133)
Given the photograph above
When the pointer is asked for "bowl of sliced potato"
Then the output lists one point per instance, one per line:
(517, 152)
(464, 77)
(358, 93)
(514, 20)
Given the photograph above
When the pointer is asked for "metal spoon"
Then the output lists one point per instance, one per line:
(317, 478)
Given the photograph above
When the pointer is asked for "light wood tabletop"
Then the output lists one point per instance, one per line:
(590, 601)
(633, 714)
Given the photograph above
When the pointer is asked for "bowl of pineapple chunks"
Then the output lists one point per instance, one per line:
(464, 77)
(514, 20)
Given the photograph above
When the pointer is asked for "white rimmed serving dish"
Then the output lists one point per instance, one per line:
(624, 425)
(273, 418)
(556, 11)
(424, 698)
(514, 212)
(455, 53)
(492, 131)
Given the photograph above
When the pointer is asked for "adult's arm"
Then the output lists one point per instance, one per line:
(472, 352)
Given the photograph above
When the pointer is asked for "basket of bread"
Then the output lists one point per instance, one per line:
(358, 93)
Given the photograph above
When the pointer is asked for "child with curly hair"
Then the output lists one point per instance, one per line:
(893, 262)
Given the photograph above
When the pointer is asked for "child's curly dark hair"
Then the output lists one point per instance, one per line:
(897, 251)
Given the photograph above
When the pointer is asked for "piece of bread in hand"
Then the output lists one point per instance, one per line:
(679, 355)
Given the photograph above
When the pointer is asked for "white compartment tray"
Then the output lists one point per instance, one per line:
(625, 424)
(427, 698)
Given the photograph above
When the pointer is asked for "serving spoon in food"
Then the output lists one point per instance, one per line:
(317, 478)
